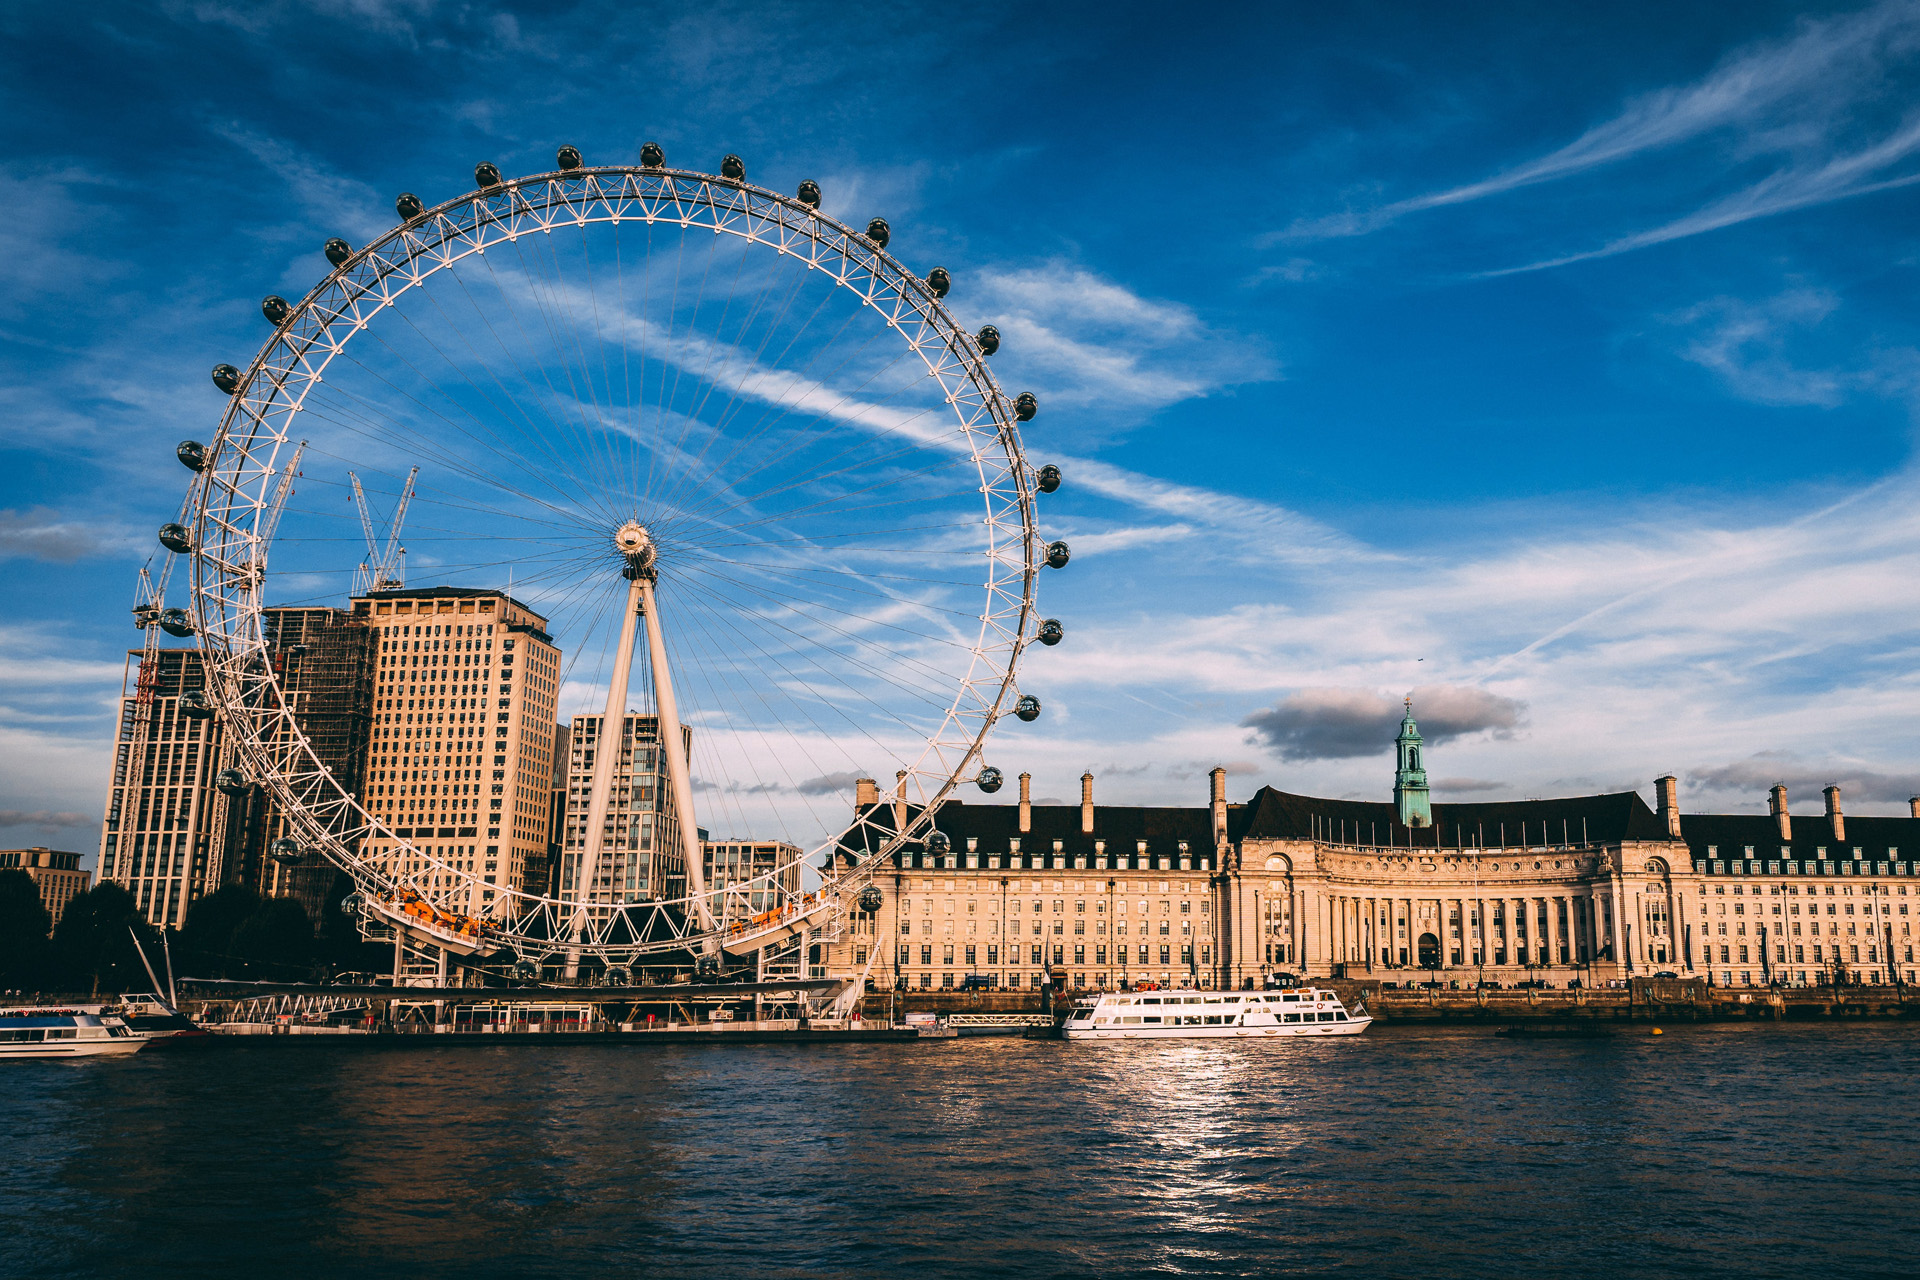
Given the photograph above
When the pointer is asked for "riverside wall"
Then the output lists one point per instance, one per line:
(1643, 1000)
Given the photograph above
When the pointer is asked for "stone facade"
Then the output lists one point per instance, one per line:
(1585, 889)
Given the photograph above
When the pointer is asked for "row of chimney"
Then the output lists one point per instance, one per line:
(1667, 792)
(867, 793)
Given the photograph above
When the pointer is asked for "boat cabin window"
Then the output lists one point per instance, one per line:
(1290, 998)
(1292, 1017)
(1339, 1017)
(1150, 1000)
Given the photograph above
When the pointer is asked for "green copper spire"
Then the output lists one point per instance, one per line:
(1410, 801)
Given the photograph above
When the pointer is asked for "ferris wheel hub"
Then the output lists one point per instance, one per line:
(636, 546)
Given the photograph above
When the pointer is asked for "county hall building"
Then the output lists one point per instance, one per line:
(1582, 889)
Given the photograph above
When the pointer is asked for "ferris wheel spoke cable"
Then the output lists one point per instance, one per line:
(862, 641)
(519, 410)
(818, 472)
(398, 436)
(804, 436)
(777, 409)
(580, 431)
(803, 649)
(952, 638)
(746, 641)
(548, 445)
(747, 367)
(502, 449)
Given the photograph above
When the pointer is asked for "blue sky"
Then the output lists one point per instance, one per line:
(1562, 370)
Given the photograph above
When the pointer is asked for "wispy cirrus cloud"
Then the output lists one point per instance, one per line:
(1814, 99)
(1097, 344)
(1749, 345)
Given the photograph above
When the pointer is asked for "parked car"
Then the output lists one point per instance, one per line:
(976, 982)
(1666, 973)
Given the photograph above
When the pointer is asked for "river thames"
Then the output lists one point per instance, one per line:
(1721, 1150)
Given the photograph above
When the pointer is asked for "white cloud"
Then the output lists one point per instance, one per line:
(1097, 344)
(1813, 98)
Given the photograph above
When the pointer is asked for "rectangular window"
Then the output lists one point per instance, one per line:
(926, 954)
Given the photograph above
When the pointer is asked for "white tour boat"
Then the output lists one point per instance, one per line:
(1207, 1015)
(41, 1031)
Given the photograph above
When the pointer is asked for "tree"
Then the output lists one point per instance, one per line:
(24, 924)
(206, 943)
(93, 943)
(276, 941)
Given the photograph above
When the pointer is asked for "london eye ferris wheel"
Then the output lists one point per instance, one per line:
(744, 466)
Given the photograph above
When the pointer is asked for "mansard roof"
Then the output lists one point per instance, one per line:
(1571, 820)
(1730, 835)
(995, 826)
(1605, 818)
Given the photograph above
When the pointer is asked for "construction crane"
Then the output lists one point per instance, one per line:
(384, 569)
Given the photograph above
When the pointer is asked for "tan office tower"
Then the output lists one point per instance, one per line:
(167, 835)
(640, 853)
(461, 759)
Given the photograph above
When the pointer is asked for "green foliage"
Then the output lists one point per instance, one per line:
(93, 947)
(276, 941)
(235, 933)
(206, 941)
(23, 932)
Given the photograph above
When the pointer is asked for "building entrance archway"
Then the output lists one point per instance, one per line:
(1429, 951)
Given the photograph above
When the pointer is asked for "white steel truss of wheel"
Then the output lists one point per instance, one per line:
(827, 478)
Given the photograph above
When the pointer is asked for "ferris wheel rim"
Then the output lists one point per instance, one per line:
(217, 584)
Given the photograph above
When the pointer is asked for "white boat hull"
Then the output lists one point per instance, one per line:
(1212, 1015)
(1352, 1027)
(75, 1048)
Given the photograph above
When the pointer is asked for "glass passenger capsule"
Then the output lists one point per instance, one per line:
(275, 309)
(338, 251)
(226, 377)
(284, 850)
(879, 232)
(988, 338)
(175, 622)
(938, 842)
(1057, 555)
(732, 167)
(408, 206)
(652, 156)
(232, 782)
(1025, 405)
(486, 174)
(568, 157)
(177, 538)
(195, 705)
(1028, 708)
(939, 281)
(871, 899)
(192, 455)
(1051, 632)
(1048, 478)
(990, 780)
(352, 904)
(809, 194)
